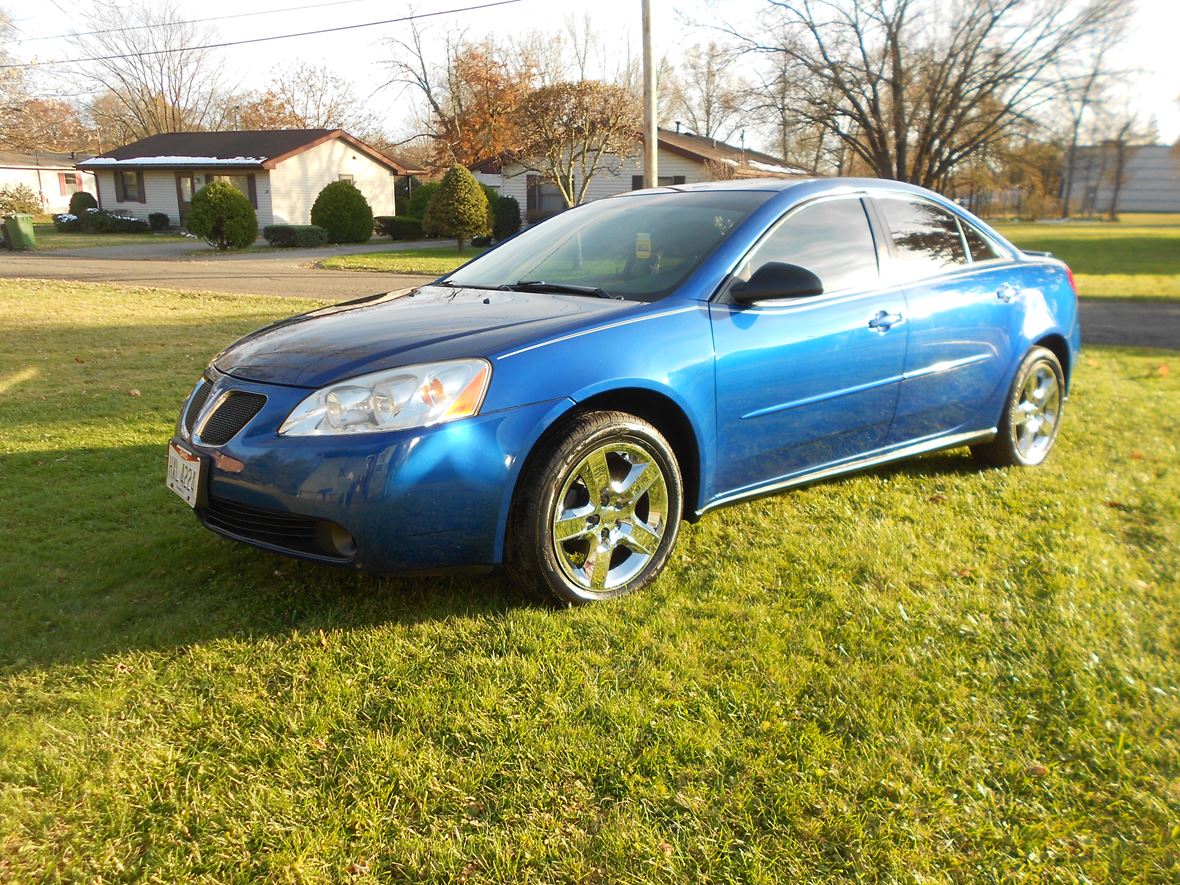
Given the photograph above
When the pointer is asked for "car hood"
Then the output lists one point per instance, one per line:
(386, 331)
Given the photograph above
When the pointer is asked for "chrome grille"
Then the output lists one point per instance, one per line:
(196, 403)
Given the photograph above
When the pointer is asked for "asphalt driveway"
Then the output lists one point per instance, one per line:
(190, 266)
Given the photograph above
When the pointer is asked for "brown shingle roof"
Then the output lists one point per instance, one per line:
(263, 148)
(712, 150)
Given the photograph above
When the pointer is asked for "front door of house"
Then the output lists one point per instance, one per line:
(185, 187)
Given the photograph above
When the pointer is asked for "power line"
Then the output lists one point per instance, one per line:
(193, 21)
(388, 21)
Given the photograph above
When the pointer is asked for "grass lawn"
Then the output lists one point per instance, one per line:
(435, 262)
(928, 673)
(49, 239)
(1137, 257)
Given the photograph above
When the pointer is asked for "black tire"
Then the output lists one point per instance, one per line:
(1012, 446)
(563, 471)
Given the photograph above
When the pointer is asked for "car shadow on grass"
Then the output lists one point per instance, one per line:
(105, 561)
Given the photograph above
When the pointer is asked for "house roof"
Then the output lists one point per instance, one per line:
(249, 148)
(40, 160)
(747, 163)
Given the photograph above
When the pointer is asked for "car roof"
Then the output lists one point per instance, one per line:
(808, 186)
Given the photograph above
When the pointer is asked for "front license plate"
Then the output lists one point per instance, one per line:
(184, 473)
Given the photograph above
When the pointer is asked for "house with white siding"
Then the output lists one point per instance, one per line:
(1150, 178)
(280, 171)
(51, 176)
(682, 158)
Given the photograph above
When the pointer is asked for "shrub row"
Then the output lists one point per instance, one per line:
(289, 235)
(398, 227)
(99, 222)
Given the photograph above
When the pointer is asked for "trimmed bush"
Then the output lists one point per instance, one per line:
(458, 208)
(99, 222)
(222, 216)
(288, 235)
(343, 212)
(158, 220)
(420, 198)
(493, 196)
(481, 242)
(19, 199)
(398, 227)
(80, 201)
(507, 218)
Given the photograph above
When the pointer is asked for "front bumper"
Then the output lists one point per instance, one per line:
(412, 501)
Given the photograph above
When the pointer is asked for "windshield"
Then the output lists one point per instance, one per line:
(639, 247)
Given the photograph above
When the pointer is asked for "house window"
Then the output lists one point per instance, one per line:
(542, 198)
(343, 177)
(244, 185)
(663, 181)
(70, 182)
(129, 186)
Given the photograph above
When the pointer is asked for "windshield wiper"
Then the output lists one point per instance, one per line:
(561, 288)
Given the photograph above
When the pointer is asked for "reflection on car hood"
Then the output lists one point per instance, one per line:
(385, 331)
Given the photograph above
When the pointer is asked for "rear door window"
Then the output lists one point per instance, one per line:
(978, 245)
(926, 238)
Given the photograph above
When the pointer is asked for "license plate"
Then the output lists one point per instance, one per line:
(184, 473)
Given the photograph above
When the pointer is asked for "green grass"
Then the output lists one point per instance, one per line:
(433, 262)
(929, 673)
(1138, 257)
(49, 239)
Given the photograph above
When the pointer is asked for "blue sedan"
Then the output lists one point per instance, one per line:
(558, 405)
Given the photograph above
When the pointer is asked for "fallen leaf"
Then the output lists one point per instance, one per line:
(134, 391)
(667, 848)
(1136, 455)
(79, 359)
(937, 499)
(122, 668)
(1091, 363)
(356, 868)
(1114, 505)
(1163, 370)
(1037, 770)
(964, 573)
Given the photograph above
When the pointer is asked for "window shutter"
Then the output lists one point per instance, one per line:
(678, 179)
(139, 186)
(61, 182)
(253, 187)
(636, 182)
(119, 190)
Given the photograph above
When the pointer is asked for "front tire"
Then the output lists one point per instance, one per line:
(1032, 414)
(598, 510)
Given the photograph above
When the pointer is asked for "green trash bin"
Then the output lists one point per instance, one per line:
(19, 232)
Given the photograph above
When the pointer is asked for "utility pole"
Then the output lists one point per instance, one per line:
(651, 173)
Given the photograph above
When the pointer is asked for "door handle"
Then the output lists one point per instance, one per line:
(1007, 293)
(884, 320)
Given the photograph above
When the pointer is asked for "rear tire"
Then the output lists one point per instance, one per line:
(1032, 414)
(597, 511)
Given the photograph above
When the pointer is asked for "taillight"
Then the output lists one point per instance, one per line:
(1072, 284)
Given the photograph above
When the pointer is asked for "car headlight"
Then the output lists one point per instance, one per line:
(411, 396)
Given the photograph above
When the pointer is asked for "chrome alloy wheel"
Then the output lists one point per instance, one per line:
(1036, 413)
(610, 517)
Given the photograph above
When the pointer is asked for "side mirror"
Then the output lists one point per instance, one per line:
(776, 279)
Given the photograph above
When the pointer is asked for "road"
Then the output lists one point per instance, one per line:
(289, 272)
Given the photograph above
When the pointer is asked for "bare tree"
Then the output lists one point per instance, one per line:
(912, 88)
(12, 81)
(305, 96)
(1085, 78)
(708, 96)
(570, 130)
(148, 79)
(1126, 129)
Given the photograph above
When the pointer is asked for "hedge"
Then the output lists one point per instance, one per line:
(420, 199)
(99, 222)
(398, 227)
(158, 220)
(288, 235)
(507, 218)
(80, 201)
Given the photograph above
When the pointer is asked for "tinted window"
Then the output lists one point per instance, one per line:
(981, 249)
(926, 238)
(831, 239)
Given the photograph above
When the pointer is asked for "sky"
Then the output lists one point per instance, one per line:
(360, 54)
